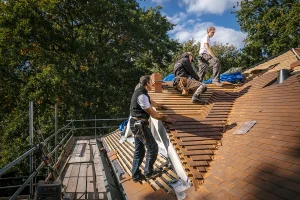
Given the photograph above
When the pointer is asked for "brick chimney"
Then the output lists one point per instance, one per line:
(157, 82)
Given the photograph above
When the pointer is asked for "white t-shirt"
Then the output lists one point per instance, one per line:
(205, 39)
(143, 101)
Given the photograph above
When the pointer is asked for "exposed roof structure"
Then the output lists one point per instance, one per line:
(121, 156)
(264, 163)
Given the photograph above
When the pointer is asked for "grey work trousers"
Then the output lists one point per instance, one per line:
(205, 61)
(183, 83)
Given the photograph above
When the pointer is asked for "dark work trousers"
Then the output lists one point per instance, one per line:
(139, 150)
(205, 61)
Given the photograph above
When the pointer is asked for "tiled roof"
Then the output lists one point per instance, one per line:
(265, 162)
(262, 164)
(279, 62)
(195, 147)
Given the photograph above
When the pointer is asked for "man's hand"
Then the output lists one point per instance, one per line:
(169, 120)
(163, 107)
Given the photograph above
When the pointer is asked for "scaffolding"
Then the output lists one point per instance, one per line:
(33, 171)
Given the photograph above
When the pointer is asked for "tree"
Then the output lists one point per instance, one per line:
(229, 56)
(85, 56)
(188, 46)
(272, 26)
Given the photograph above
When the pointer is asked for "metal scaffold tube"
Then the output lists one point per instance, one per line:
(51, 136)
(39, 148)
(59, 144)
(85, 120)
(14, 196)
(31, 144)
(16, 161)
(56, 114)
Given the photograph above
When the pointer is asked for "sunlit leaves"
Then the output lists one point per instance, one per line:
(272, 27)
(86, 56)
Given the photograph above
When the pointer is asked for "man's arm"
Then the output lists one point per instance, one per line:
(210, 51)
(187, 65)
(157, 116)
(144, 102)
(157, 105)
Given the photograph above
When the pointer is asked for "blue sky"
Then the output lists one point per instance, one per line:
(193, 17)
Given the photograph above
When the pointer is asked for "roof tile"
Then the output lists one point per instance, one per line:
(252, 189)
(249, 197)
(236, 191)
(223, 194)
(239, 183)
(267, 195)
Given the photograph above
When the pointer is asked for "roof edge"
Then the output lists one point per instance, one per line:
(272, 57)
(297, 56)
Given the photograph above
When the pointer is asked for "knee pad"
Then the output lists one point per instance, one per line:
(203, 88)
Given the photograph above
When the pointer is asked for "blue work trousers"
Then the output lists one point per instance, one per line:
(139, 151)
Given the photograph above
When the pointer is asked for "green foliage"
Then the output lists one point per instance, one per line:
(229, 56)
(272, 27)
(86, 56)
(188, 46)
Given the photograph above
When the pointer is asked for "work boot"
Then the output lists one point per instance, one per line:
(153, 174)
(217, 83)
(196, 99)
(139, 178)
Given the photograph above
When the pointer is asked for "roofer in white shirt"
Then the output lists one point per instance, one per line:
(208, 58)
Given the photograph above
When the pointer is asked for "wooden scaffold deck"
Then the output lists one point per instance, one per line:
(84, 176)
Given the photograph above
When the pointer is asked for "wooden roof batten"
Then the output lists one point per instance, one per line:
(195, 153)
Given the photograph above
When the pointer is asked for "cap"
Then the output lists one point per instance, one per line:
(190, 54)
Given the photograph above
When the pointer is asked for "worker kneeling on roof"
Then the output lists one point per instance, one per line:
(141, 109)
(184, 73)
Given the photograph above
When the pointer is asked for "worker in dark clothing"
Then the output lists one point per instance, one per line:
(184, 73)
(140, 111)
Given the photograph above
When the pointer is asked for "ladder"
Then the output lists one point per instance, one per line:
(46, 159)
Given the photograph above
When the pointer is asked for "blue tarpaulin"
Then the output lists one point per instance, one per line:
(169, 77)
(231, 78)
(122, 126)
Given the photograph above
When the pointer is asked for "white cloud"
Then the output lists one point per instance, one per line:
(208, 6)
(159, 2)
(183, 32)
(187, 28)
(177, 18)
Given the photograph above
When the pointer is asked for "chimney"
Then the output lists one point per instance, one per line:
(157, 82)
